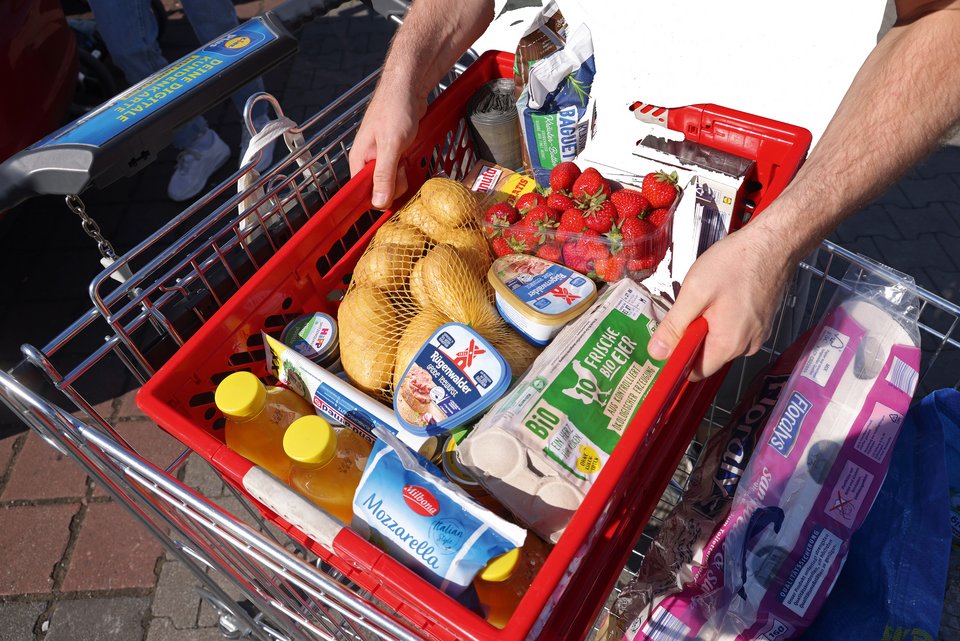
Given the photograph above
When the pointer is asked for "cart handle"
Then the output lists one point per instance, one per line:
(124, 134)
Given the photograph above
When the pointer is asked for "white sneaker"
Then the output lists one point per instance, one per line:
(195, 165)
(266, 157)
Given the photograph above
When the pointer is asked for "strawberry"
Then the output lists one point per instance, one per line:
(590, 188)
(574, 257)
(523, 237)
(629, 203)
(499, 217)
(502, 247)
(610, 269)
(543, 216)
(560, 201)
(563, 176)
(642, 264)
(633, 235)
(593, 247)
(658, 217)
(601, 217)
(660, 188)
(528, 201)
(571, 222)
(550, 251)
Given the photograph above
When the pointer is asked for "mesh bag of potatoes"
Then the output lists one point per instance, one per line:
(425, 267)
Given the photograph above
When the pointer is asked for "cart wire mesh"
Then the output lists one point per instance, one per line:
(181, 276)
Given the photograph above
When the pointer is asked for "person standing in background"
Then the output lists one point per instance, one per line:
(129, 30)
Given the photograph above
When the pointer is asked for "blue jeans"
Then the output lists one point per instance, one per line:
(129, 29)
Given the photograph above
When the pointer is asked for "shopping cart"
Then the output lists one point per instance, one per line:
(174, 286)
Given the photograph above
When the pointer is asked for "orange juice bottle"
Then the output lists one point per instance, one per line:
(327, 463)
(503, 582)
(257, 416)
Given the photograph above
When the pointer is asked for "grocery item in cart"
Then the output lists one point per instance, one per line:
(314, 336)
(676, 552)
(540, 448)
(556, 108)
(502, 584)
(455, 375)
(424, 267)
(545, 36)
(814, 475)
(451, 466)
(537, 297)
(498, 184)
(590, 224)
(408, 508)
(327, 463)
(335, 399)
(256, 417)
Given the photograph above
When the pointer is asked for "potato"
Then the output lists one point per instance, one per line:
(418, 293)
(408, 239)
(414, 336)
(518, 353)
(385, 266)
(368, 338)
(472, 245)
(451, 286)
(415, 214)
(449, 201)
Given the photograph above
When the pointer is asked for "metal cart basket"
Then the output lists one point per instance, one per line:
(178, 278)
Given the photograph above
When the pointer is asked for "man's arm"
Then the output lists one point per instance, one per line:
(432, 38)
(902, 102)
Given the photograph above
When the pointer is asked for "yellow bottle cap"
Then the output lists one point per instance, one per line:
(310, 439)
(240, 395)
(502, 567)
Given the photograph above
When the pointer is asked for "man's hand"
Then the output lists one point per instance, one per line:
(432, 38)
(389, 127)
(737, 286)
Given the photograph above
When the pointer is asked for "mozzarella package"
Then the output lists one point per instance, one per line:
(816, 470)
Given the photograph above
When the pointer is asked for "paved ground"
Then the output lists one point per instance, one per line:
(73, 565)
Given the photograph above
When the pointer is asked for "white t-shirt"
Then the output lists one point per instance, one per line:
(790, 61)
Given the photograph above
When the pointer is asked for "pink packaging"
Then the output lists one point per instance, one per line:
(816, 470)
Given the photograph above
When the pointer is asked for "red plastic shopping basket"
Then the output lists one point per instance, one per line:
(309, 274)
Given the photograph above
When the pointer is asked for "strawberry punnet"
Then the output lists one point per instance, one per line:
(660, 188)
(563, 176)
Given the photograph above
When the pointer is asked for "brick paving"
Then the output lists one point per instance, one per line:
(75, 565)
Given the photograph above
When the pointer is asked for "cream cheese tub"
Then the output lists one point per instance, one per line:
(537, 297)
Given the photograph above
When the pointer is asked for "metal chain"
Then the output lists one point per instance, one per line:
(91, 227)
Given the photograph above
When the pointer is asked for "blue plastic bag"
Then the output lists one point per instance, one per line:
(892, 585)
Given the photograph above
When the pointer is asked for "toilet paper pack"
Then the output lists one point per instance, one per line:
(539, 449)
(817, 468)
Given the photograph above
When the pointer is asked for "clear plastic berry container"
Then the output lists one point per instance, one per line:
(616, 234)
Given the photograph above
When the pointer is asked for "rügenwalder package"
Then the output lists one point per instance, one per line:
(556, 109)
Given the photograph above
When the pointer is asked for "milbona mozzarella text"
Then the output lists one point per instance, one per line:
(422, 549)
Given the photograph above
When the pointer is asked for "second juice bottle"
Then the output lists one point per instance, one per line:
(327, 463)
